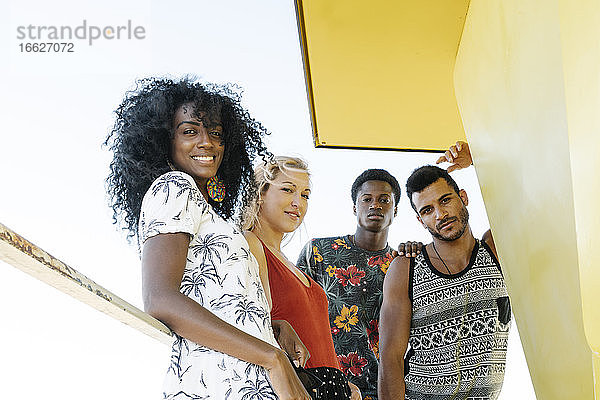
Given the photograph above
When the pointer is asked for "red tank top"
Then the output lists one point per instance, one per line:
(305, 308)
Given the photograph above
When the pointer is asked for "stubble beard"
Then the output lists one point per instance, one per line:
(463, 218)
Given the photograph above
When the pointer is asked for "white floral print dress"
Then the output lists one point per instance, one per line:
(223, 277)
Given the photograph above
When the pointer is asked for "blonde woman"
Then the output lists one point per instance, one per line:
(278, 209)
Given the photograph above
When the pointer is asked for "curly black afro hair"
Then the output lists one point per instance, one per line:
(140, 141)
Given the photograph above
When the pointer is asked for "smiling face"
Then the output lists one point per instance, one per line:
(442, 211)
(285, 202)
(374, 207)
(196, 149)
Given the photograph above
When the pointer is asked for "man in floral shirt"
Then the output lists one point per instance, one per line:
(351, 269)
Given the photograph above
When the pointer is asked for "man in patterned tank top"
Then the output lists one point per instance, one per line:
(449, 303)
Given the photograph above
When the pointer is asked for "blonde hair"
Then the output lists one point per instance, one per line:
(264, 175)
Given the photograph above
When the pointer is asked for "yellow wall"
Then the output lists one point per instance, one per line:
(580, 37)
(526, 81)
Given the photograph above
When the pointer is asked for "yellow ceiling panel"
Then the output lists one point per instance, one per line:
(380, 74)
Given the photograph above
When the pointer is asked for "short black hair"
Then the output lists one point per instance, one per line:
(376, 175)
(425, 176)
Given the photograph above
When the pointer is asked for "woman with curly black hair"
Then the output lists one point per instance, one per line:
(181, 165)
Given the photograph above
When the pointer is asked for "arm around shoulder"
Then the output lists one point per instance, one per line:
(394, 329)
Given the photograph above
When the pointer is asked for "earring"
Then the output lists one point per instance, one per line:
(216, 189)
(170, 164)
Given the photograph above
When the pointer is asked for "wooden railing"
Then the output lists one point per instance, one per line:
(26, 256)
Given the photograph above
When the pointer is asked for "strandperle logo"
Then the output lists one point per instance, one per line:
(90, 33)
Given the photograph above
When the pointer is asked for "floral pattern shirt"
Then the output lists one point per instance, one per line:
(353, 281)
(222, 276)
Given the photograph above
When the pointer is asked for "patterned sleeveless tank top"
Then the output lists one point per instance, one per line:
(459, 329)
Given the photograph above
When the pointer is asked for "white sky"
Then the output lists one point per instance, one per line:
(56, 111)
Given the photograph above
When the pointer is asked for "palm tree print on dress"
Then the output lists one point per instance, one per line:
(239, 281)
(244, 309)
(199, 349)
(248, 309)
(236, 377)
(257, 390)
(151, 228)
(260, 292)
(234, 257)
(208, 247)
(195, 279)
(256, 385)
(179, 346)
(165, 183)
(178, 181)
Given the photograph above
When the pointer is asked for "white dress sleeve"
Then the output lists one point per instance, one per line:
(173, 204)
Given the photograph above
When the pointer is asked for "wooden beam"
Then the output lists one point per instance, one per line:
(26, 256)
